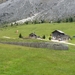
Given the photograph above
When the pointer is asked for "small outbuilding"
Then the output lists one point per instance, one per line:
(32, 35)
(59, 35)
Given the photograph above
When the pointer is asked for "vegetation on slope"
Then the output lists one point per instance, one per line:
(17, 60)
(39, 29)
(1, 1)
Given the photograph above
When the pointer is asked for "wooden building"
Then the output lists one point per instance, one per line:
(59, 35)
(32, 35)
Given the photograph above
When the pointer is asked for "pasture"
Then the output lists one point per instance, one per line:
(39, 29)
(18, 60)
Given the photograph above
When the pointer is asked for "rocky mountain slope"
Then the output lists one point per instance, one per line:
(1, 1)
(14, 10)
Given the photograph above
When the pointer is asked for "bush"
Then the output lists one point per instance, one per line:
(16, 24)
(43, 37)
(42, 21)
(49, 38)
(58, 21)
(26, 22)
(67, 20)
(70, 19)
(20, 35)
(11, 24)
(35, 22)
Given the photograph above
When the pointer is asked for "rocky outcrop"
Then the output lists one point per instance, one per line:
(2, 1)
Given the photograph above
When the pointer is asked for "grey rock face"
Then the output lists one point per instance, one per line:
(13, 10)
(1, 1)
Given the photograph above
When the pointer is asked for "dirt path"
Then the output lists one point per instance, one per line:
(63, 42)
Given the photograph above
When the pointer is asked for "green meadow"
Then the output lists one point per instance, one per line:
(39, 29)
(20, 60)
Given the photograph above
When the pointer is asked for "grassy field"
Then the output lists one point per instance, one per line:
(18, 60)
(39, 29)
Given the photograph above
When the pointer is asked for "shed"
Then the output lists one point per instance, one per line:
(32, 35)
(60, 35)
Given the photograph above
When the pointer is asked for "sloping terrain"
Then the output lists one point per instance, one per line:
(1, 1)
(18, 60)
(14, 10)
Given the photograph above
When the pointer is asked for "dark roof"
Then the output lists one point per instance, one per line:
(32, 34)
(58, 31)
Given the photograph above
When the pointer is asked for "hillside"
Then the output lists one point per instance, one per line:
(39, 29)
(13, 10)
(2, 1)
(21, 60)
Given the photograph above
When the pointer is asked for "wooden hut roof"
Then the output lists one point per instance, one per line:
(59, 31)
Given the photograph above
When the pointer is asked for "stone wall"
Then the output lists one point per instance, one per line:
(48, 45)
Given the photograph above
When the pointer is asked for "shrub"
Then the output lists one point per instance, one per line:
(66, 19)
(16, 24)
(58, 21)
(43, 37)
(49, 38)
(42, 21)
(11, 24)
(35, 22)
(70, 19)
(26, 22)
(20, 35)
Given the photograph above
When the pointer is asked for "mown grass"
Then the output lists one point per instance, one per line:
(17, 60)
(39, 29)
